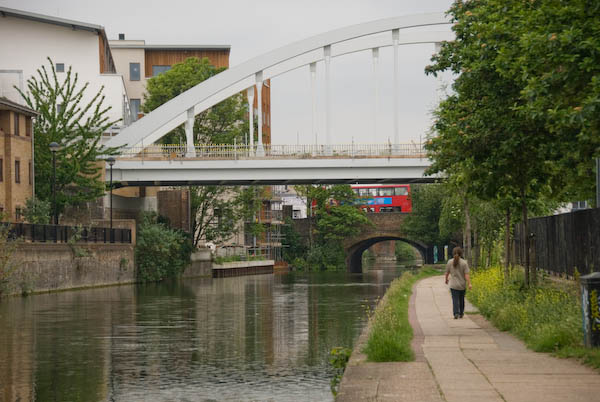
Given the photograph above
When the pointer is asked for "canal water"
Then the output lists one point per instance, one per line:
(253, 338)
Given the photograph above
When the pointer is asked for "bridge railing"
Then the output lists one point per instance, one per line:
(312, 151)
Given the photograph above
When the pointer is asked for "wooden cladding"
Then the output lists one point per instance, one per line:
(107, 65)
(166, 57)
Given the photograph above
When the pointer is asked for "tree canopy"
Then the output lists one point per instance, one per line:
(221, 124)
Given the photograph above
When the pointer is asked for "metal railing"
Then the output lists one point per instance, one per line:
(235, 151)
(65, 234)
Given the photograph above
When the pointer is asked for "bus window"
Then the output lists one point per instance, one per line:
(373, 192)
(363, 192)
(386, 191)
(385, 209)
(371, 209)
(397, 209)
(355, 190)
(401, 191)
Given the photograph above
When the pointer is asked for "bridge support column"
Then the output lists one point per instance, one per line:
(376, 94)
(396, 112)
(189, 134)
(260, 150)
(251, 117)
(313, 93)
(327, 55)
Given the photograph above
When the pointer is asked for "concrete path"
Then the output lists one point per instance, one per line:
(465, 360)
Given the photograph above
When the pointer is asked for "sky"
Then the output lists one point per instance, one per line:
(255, 27)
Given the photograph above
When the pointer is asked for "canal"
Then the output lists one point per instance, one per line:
(264, 337)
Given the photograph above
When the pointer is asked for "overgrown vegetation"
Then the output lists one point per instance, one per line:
(338, 358)
(335, 217)
(160, 252)
(8, 265)
(548, 317)
(391, 334)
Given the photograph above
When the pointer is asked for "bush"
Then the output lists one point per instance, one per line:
(160, 252)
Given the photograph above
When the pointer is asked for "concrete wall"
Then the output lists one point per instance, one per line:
(201, 265)
(50, 267)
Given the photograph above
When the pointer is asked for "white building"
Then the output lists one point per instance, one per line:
(28, 39)
(289, 196)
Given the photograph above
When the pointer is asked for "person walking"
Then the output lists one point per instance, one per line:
(458, 271)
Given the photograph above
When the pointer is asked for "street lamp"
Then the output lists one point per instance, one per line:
(53, 148)
(111, 162)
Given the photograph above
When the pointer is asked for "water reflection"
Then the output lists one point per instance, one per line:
(262, 337)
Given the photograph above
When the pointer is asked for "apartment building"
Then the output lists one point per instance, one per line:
(30, 38)
(16, 158)
(138, 62)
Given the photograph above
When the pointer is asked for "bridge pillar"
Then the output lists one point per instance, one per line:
(260, 151)
(313, 92)
(189, 134)
(251, 117)
(376, 94)
(327, 55)
(395, 42)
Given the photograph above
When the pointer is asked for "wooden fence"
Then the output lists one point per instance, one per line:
(562, 243)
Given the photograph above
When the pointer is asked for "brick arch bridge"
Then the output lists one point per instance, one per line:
(386, 226)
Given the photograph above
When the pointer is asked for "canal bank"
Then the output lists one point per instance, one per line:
(464, 360)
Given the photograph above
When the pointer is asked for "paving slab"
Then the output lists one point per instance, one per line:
(464, 360)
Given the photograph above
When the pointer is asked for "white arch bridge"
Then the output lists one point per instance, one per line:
(143, 163)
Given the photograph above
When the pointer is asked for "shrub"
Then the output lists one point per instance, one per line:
(160, 252)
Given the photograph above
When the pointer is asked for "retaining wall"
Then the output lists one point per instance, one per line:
(41, 267)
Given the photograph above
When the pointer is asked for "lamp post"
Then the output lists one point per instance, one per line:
(111, 162)
(53, 148)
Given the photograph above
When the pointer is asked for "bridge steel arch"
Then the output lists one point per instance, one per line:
(183, 108)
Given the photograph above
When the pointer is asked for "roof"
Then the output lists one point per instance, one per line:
(11, 12)
(115, 45)
(6, 104)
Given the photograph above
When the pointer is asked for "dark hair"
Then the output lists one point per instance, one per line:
(457, 252)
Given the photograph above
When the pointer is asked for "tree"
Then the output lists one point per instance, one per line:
(215, 208)
(481, 133)
(216, 213)
(423, 224)
(77, 127)
(37, 211)
(221, 124)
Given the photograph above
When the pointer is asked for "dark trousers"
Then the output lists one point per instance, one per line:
(458, 301)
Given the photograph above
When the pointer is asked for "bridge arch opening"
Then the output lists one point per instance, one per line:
(355, 252)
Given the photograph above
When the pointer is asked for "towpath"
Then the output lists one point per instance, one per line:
(465, 360)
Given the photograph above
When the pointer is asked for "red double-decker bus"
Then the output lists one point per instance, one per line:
(384, 198)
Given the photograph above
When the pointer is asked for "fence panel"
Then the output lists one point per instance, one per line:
(563, 242)
(63, 234)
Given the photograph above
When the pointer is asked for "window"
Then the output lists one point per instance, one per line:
(363, 192)
(386, 191)
(58, 108)
(134, 71)
(17, 171)
(16, 123)
(30, 173)
(28, 127)
(401, 191)
(60, 67)
(134, 105)
(18, 213)
(159, 69)
(373, 192)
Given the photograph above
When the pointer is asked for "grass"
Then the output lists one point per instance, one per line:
(391, 334)
(547, 318)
